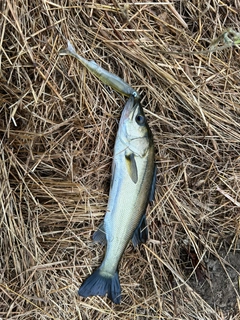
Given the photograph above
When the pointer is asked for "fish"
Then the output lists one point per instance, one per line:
(103, 75)
(131, 189)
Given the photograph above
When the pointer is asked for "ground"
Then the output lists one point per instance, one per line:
(221, 285)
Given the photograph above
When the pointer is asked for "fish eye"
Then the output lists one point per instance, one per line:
(140, 119)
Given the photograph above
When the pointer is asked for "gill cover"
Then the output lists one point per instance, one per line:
(134, 134)
(134, 131)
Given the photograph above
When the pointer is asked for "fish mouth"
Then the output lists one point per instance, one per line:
(130, 107)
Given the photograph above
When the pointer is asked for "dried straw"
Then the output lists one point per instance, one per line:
(57, 127)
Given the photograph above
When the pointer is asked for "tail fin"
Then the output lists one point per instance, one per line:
(68, 51)
(98, 284)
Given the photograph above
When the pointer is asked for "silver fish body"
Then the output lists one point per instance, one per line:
(132, 186)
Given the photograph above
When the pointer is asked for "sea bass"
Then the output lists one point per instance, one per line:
(132, 187)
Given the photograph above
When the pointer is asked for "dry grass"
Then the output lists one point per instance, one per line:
(57, 129)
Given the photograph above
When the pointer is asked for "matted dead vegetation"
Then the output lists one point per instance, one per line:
(57, 129)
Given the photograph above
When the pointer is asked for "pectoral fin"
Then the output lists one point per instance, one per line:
(100, 235)
(141, 233)
(131, 166)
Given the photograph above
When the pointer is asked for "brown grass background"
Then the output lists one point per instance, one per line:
(58, 125)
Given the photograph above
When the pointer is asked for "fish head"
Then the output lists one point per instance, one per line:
(133, 128)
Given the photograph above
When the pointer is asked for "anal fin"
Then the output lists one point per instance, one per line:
(140, 235)
(100, 235)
